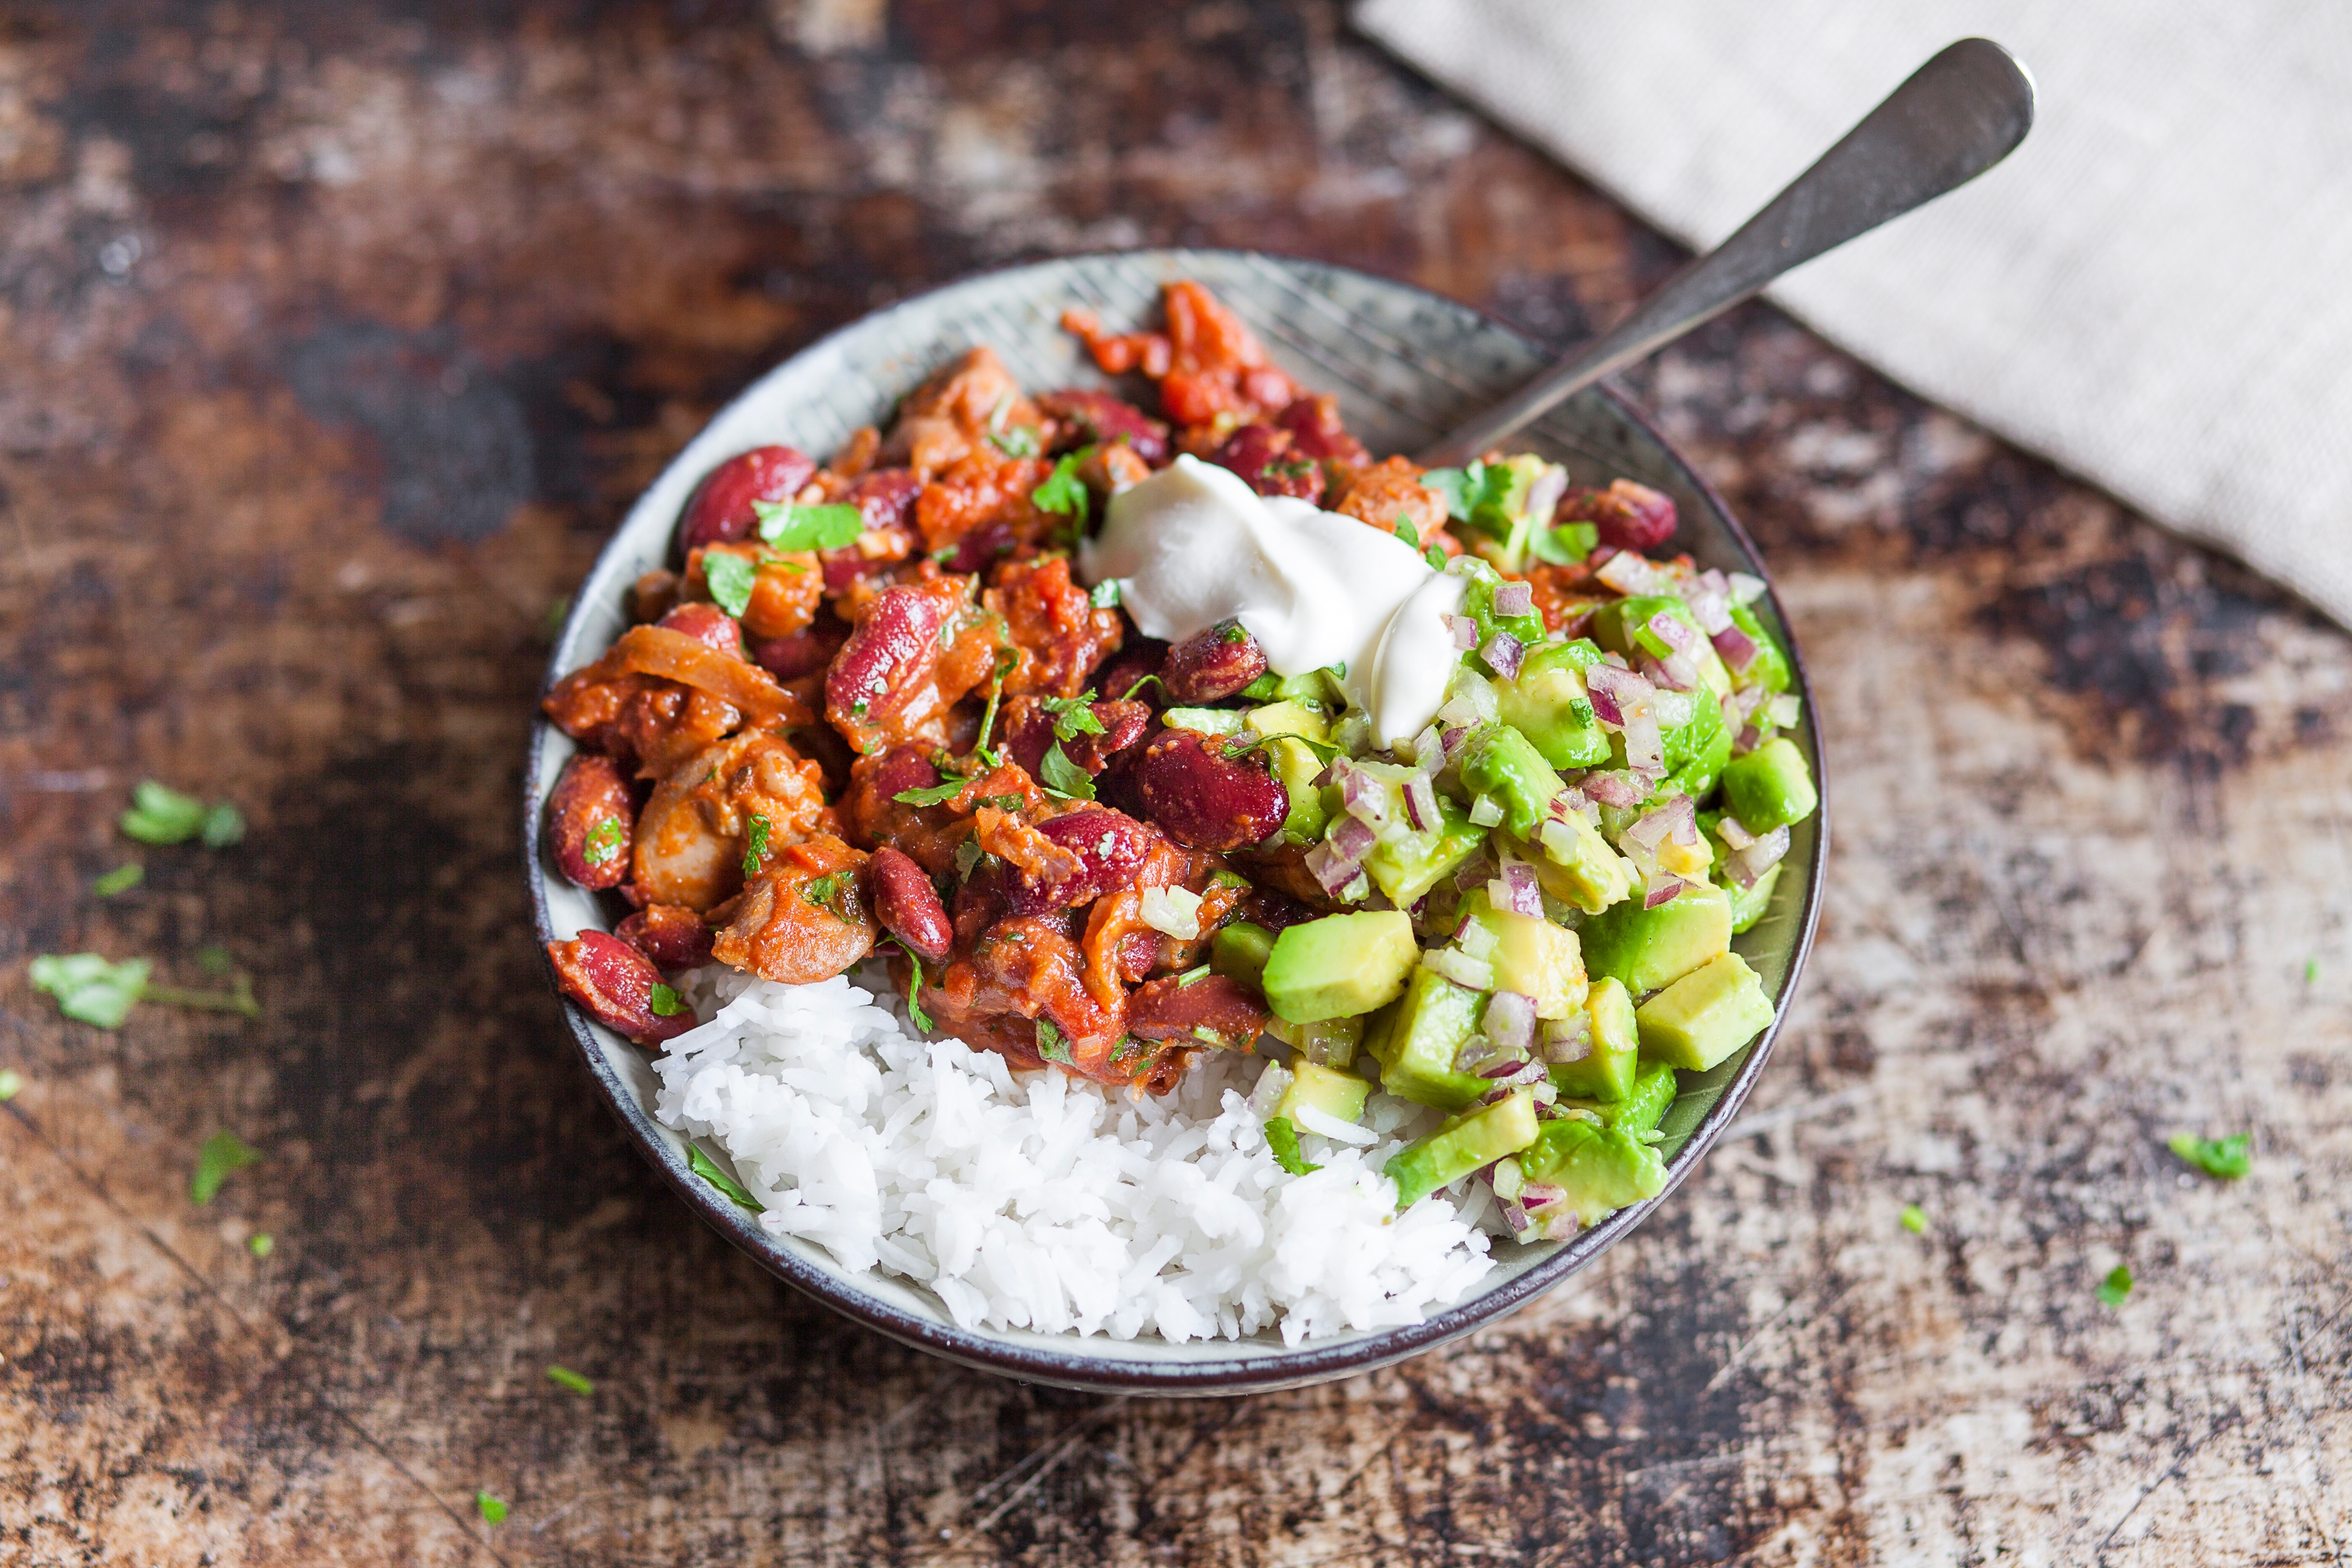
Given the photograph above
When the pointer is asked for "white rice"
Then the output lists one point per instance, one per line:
(1040, 1201)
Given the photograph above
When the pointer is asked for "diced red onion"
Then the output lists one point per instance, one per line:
(1738, 649)
(1613, 789)
(1510, 1020)
(1675, 672)
(1674, 709)
(1712, 581)
(1568, 1039)
(1502, 654)
(1363, 797)
(1515, 598)
(1536, 1195)
(1351, 838)
(1749, 739)
(1515, 1216)
(1759, 857)
(1785, 709)
(1559, 1225)
(1517, 890)
(1674, 631)
(1464, 630)
(1508, 1067)
(1421, 803)
(1650, 829)
(1645, 749)
(1495, 1097)
(1331, 870)
(1543, 496)
(1745, 589)
(1455, 739)
(1473, 871)
(1429, 750)
(1630, 575)
(1664, 891)
(1735, 832)
(1605, 708)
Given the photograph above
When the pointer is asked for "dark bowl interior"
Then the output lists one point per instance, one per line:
(1405, 365)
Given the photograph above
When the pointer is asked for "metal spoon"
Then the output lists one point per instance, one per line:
(1960, 115)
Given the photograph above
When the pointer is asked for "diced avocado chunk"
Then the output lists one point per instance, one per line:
(1770, 668)
(1462, 1144)
(1607, 1071)
(1770, 787)
(1622, 625)
(1205, 720)
(1504, 766)
(1642, 1109)
(1578, 867)
(1239, 951)
(1290, 718)
(1409, 865)
(1650, 948)
(1698, 749)
(1601, 1169)
(1314, 689)
(1335, 1094)
(1296, 767)
(1415, 1043)
(1547, 704)
(1341, 965)
(1531, 955)
(1749, 904)
(1706, 1015)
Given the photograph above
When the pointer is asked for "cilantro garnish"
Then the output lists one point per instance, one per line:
(2115, 1286)
(212, 959)
(700, 1164)
(1282, 1137)
(1915, 1219)
(89, 989)
(1129, 696)
(121, 879)
(1233, 631)
(223, 826)
(1007, 660)
(1566, 544)
(968, 854)
(1433, 558)
(1406, 532)
(492, 1510)
(160, 815)
(1006, 801)
(1106, 593)
(260, 1244)
(11, 1084)
(665, 1002)
(1073, 716)
(1191, 975)
(2226, 1158)
(222, 1153)
(564, 1377)
(1064, 777)
(1063, 491)
(731, 578)
(915, 986)
(1469, 489)
(931, 795)
(605, 841)
(1051, 1044)
(822, 891)
(784, 526)
(1128, 1051)
(755, 849)
(1016, 441)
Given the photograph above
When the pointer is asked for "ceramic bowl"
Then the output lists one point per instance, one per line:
(1405, 365)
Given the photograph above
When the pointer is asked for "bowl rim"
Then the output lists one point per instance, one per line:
(1076, 1367)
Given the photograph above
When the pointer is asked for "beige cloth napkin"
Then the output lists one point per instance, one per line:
(2156, 290)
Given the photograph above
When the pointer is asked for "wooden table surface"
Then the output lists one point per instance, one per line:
(336, 338)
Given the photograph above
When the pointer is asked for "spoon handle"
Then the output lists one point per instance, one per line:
(1960, 115)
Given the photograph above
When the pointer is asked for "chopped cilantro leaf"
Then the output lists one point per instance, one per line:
(551, 624)
(1007, 661)
(237, 998)
(1233, 631)
(1915, 1219)
(222, 1153)
(1129, 1051)
(564, 1377)
(261, 1244)
(1106, 594)
(1073, 716)
(121, 879)
(1051, 1044)
(822, 891)
(665, 1002)
(2115, 1286)
(1406, 532)
(731, 578)
(915, 986)
(1016, 441)
(2310, 972)
(212, 959)
(2226, 1158)
(755, 849)
(1190, 975)
(1129, 696)
(1582, 711)
(968, 854)
(605, 841)
(223, 826)
(931, 795)
(492, 1510)
(783, 526)
(1064, 777)
(1282, 1137)
(1433, 558)
(11, 1084)
(1063, 491)
(1466, 490)
(89, 989)
(160, 815)
(1566, 544)
(700, 1164)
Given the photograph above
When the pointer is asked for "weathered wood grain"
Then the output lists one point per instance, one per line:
(335, 340)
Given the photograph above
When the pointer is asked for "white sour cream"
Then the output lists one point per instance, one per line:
(1193, 545)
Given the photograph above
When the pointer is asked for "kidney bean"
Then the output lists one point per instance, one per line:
(1316, 432)
(1137, 658)
(1110, 847)
(980, 902)
(720, 508)
(1211, 664)
(804, 652)
(909, 907)
(672, 935)
(1202, 798)
(1212, 1010)
(888, 657)
(885, 497)
(1627, 515)
(1029, 733)
(1088, 417)
(591, 819)
(1263, 456)
(708, 625)
(613, 984)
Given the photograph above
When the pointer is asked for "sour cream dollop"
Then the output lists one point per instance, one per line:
(1193, 545)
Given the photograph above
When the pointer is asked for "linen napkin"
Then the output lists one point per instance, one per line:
(2154, 290)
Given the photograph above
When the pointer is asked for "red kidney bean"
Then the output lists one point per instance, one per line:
(720, 510)
(896, 640)
(1202, 798)
(1211, 664)
(980, 902)
(613, 984)
(1263, 455)
(1212, 1010)
(592, 819)
(672, 935)
(1097, 418)
(1139, 658)
(1627, 515)
(804, 652)
(1316, 432)
(885, 497)
(708, 625)
(1111, 847)
(1029, 733)
(909, 907)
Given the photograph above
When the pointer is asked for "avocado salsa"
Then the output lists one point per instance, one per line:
(892, 700)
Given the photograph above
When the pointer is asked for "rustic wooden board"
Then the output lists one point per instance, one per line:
(335, 340)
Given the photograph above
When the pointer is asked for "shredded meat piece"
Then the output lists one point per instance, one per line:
(587, 703)
(786, 589)
(1058, 635)
(1031, 968)
(980, 507)
(1391, 489)
(692, 834)
(956, 411)
(804, 918)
